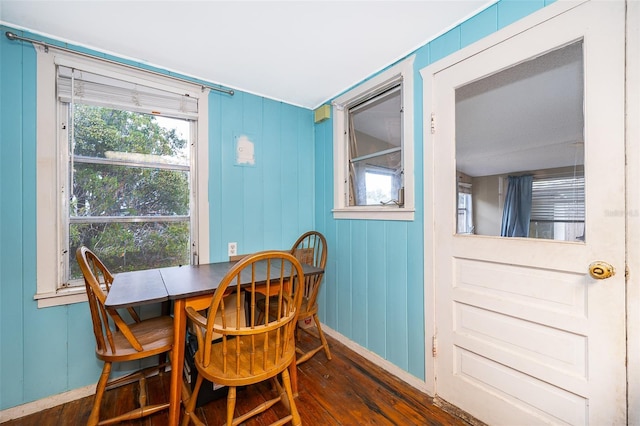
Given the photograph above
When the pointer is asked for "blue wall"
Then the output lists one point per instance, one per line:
(374, 286)
(271, 204)
(48, 351)
(373, 293)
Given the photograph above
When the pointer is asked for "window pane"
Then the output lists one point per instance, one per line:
(129, 165)
(526, 120)
(375, 149)
(377, 180)
(105, 190)
(465, 216)
(378, 187)
(132, 246)
(376, 124)
(110, 133)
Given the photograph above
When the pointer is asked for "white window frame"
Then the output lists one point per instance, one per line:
(341, 209)
(51, 173)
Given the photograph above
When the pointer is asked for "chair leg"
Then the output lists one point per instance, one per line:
(94, 417)
(189, 409)
(325, 345)
(295, 416)
(305, 356)
(231, 405)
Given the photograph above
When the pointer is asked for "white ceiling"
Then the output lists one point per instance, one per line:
(300, 52)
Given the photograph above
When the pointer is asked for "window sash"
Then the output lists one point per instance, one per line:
(135, 161)
(357, 186)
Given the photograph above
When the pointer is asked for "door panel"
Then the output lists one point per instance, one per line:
(525, 334)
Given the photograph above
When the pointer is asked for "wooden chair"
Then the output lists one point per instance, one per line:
(127, 342)
(247, 352)
(311, 248)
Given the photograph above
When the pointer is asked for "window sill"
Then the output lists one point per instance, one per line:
(374, 213)
(65, 296)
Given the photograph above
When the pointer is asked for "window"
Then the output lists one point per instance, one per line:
(121, 172)
(379, 185)
(557, 207)
(373, 148)
(465, 208)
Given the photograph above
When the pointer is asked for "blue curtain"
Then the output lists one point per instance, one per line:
(517, 207)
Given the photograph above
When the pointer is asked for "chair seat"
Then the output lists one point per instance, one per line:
(242, 376)
(155, 335)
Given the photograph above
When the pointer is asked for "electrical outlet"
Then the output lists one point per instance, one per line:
(233, 249)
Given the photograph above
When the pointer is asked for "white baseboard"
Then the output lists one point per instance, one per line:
(45, 403)
(378, 360)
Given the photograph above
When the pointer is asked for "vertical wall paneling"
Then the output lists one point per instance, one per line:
(84, 367)
(215, 119)
(376, 252)
(12, 345)
(305, 173)
(479, 26)
(341, 305)
(46, 340)
(289, 187)
(323, 204)
(359, 279)
(415, 315)
(252, 190)
(274, 222)
(445, 45)
(397, 292)
(226, 188)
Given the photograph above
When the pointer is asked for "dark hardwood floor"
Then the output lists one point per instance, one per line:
(348, 390)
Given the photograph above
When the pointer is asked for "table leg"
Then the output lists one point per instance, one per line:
(177, 360)
(293, 374)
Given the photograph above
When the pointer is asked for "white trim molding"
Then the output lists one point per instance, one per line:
(379, 361)
(341, 210)
(23, 410)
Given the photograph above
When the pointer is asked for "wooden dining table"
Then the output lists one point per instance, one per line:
(187, 286)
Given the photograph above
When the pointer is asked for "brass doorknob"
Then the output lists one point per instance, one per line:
(601, 270)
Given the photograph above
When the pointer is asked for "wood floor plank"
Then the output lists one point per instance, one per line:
(348, 390)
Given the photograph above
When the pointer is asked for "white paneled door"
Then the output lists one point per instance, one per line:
(525, 334)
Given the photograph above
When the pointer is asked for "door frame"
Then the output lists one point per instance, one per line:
(632, 144)
(431, 330)
(632, 137)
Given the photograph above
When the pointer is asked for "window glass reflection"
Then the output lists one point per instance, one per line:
(523, 121)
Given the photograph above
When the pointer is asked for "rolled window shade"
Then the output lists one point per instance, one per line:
(558, 199)
(94, 89)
